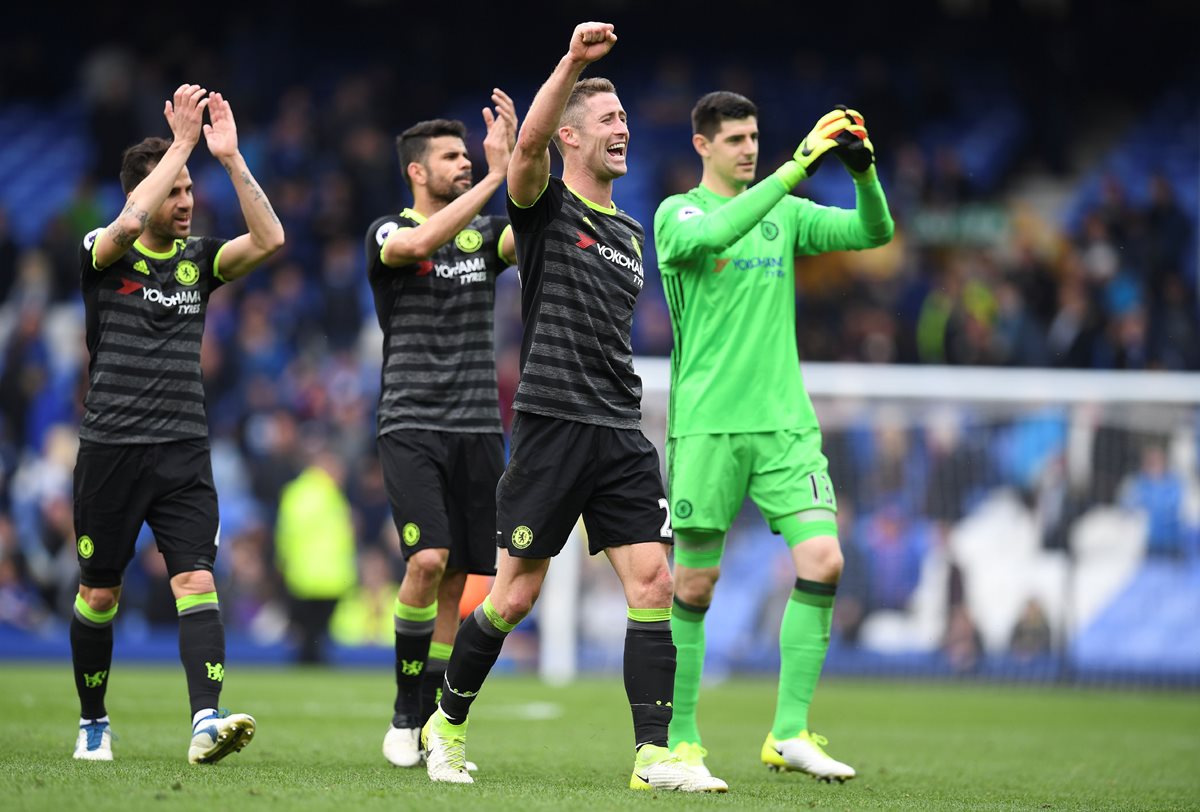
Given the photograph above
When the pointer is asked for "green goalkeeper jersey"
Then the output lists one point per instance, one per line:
(729, 277)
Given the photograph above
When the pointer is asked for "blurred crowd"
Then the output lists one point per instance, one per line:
(291, 354)
(1115, 295)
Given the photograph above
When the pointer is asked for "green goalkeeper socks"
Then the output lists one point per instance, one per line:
(803, 642)
(687, 629)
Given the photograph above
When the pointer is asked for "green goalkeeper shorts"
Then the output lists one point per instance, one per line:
(710, 475)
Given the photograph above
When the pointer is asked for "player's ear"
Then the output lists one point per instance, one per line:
(700, 144)
(567, 135)
(416, 173)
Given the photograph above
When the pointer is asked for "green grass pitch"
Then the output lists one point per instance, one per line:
(917, 746)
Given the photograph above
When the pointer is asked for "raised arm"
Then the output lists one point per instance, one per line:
(870, 223)
(681, 231)
(530, 167)
(408, 245)
(242, 254)
(184, 115)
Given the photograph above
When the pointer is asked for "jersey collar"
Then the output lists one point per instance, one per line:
(709, 193)
(156, 254)
(591, 205)
(414, 215)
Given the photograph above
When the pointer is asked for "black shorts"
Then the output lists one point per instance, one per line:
(561, 469)
(442, 487)
(167, 485)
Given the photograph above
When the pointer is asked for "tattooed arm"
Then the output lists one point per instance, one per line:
(184, 114)
(241, 255)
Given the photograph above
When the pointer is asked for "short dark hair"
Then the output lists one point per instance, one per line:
(583, 90)
(138, 160)
(718, 106)
(413, 144)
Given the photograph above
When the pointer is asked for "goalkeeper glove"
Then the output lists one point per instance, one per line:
(854, 148)
(813, 149)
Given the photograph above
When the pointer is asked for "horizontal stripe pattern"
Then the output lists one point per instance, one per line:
(144, 332)
(577, 308)
(439, 364)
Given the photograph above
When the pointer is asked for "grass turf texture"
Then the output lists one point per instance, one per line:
(916, 746)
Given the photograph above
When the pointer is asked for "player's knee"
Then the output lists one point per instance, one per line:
(196, 582)
(654, 587)
(836, 564)
(520, 604)
(696, 586)
(516, 603)
(100, 599)
(515, 610)
(822, 561)
(426, 568)
(831, 564)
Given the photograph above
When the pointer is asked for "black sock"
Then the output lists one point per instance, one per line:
(476, 649)
(202, 652)
(650, 676)
(91, 658)
(414, 631)
(431, 687)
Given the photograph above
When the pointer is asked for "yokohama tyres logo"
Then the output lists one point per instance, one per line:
(188, 301)
(618, 258)
(183, 297)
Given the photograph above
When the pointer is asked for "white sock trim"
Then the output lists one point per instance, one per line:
(203, 713)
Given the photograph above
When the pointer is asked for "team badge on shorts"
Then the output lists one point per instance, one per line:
(86, 547)
(186, 273)
(683, 508)
(411, 534)
(522, 537)
(468, 240)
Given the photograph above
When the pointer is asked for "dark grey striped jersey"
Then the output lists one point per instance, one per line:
(581, 272)
(439, 359)
(145, 321)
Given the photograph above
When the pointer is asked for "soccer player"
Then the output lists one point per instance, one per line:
(577, 447)
(433, 271)
(143, 450)
(740, 421)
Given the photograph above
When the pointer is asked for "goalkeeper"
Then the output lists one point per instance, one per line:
(740, 420)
